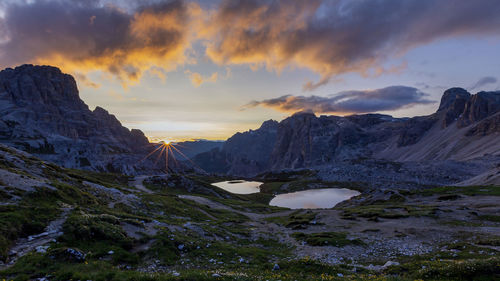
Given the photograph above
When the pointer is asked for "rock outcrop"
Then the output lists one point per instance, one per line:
(41, 112)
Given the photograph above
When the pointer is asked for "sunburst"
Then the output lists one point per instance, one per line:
(166, 150)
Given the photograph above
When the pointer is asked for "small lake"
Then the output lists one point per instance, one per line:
(313, 198)
(239, 186)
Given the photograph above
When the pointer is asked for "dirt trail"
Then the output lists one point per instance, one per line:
(37, 242)
(217, 205)
(138, 183)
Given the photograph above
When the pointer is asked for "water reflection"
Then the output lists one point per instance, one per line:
(313, 198)
(239, 186)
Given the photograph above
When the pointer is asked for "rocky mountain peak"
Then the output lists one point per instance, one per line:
(452, 104)
(269, 125)
(454, 98)
(46, 86)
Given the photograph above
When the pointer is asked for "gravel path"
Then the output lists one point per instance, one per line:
(37, 242)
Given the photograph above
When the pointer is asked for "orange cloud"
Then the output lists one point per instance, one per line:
(83, 38)
(197, 79)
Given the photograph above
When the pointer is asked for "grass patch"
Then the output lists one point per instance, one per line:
(296, 220)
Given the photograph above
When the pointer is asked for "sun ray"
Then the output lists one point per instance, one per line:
(150, 153)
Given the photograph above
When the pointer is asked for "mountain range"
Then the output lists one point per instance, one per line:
(459, 141)
(41, 112)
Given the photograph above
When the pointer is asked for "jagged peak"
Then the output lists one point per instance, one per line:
(269, 124)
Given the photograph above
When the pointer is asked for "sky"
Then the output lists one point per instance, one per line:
(206, 69)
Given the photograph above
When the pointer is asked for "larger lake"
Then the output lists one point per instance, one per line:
(313, 198)
(239, 186)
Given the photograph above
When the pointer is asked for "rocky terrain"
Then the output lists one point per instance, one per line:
(66, 224)
(456, 143)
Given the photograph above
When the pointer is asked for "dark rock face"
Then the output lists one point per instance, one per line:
(453, 104)
(460, 106)
(41, 112)
(304, 140)
(486, 127)
(479, 107)
(415, 128)
(189, 149)
(243, 153)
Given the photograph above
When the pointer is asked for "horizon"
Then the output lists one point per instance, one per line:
(187, 70)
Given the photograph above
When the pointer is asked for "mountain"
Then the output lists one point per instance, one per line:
(41, 112)
(187, 149)
(243, 153)
(463, 135)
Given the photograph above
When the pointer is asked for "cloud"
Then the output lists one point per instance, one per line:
(483, 82)
(329, 37)
(82, 36)
(348, 102)
(333, 37)
(197, 79)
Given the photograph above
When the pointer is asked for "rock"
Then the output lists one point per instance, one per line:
(175, 273)
(390, 263)
(41, 249)
(180, 247)
(73, 255)
(216, 275)
(111, 252)
(276, 267)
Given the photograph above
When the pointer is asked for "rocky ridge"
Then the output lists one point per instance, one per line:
(464, 128)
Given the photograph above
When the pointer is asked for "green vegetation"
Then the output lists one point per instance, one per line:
(337, 239)
(296, 220)
(114, 232)
(387, 211)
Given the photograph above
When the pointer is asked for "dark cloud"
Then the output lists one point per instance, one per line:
(90, 35)
(483, 82)
(339, 36)
(385, 99)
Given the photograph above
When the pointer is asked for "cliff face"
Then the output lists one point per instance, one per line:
(304, 140)
(41, 112)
